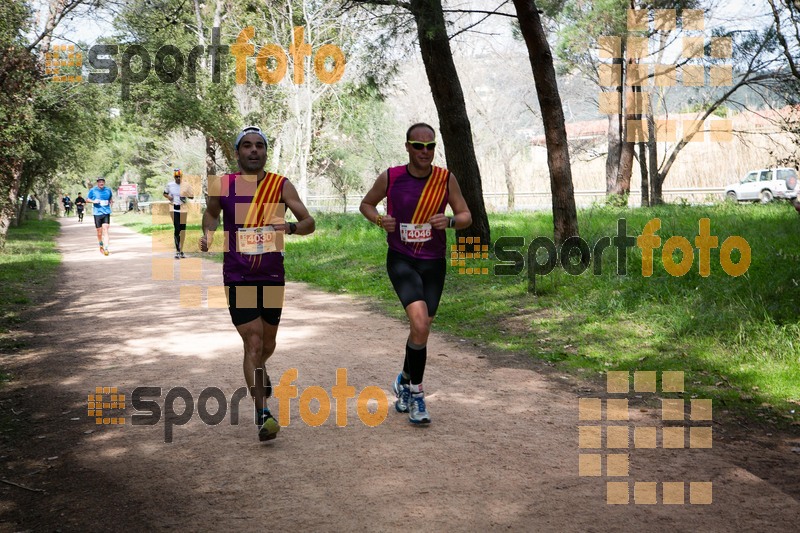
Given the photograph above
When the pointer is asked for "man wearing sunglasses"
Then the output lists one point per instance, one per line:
(253, 203)
(416, 197)
(177, 195)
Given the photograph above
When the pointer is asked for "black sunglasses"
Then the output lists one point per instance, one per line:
(420, 145)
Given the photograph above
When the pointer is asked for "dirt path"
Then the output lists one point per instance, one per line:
(501, 453)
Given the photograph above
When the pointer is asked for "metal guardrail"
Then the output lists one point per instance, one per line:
(531, 200)
(524, 201)
(147, 207)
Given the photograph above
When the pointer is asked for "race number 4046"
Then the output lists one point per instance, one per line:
(415, 232)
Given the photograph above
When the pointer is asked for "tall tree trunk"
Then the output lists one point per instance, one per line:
(5, 223)
(657, 195)
(615, 121)
(6, 219)
(565, 218)
(509, 183)
(211, 143)
(614, 151)
(211, 166)
(451, 108)
(19, 210)
(201, 39)
(627, 147)
(652, 152)
(211, 156)
(24, 183)
(277, 147)
(307, 134)
(14, 167)
(44, 202)
(623, 185)
(301, 111)
(54, 13)
(643, 172)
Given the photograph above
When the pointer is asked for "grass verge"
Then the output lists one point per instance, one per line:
(736, 338)
(28, 267)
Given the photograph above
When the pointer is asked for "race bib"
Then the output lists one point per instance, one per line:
(103, 203)
(255, 241)
(415, 232)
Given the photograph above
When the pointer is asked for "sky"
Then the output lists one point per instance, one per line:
(737, 14)
(80, 29)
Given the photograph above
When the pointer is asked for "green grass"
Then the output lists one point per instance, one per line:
(737, 338)
(28, 268)
(143, 223)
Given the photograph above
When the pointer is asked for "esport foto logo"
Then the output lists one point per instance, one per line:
(133, 64)
(107, 406)
(576, 256)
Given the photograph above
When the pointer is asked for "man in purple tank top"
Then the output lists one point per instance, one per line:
(416, 197)
(251, 202)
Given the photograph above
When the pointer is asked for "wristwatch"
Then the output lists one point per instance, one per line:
(292, 228)
(452, 223)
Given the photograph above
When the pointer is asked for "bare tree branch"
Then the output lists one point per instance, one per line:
(782, 39)
(486, 13)
(493, 12)
(393, 3)
(67, 7)
(745, 80)
(490, 13)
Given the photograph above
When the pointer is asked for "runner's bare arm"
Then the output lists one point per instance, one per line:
(210, 222)
(463, 218)
(369, 205)
(305, 222)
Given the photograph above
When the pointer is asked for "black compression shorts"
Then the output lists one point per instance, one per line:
(416, 279)
(249, 300)
(99, 220)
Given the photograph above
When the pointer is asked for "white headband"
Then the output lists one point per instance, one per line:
(247, 130)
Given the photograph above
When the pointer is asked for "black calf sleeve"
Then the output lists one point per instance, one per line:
(416, 359)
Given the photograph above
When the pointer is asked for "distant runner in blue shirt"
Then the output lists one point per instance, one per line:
(102, 199)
